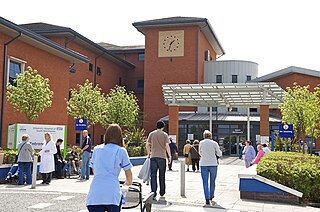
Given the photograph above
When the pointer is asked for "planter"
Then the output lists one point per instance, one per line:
(253, 186)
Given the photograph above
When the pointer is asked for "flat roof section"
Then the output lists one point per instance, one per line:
(245, 95)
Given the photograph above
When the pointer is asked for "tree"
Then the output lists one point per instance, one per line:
(122, 108)
(87, 102)
(300, 108)
(31, 94)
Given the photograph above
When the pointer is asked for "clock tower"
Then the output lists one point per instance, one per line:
(174, 54)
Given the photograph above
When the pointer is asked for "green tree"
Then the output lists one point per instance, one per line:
(300, 108)
(122, 108)
(31, 94)
(87, 102)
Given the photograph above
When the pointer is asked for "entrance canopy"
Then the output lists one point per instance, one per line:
(228, 95)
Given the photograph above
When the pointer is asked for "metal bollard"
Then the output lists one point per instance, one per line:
(34, 172)
(182, 178)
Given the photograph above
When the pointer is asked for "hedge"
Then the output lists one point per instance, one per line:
(295, 170)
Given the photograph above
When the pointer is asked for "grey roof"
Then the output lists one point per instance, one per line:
(41, 42)
(122, 49)
(194, 116)
(204, 23)
(43, 26)
(286, 71)
(48, 29)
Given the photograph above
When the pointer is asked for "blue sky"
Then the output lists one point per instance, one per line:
(275, 34)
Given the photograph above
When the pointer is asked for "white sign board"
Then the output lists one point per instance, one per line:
(264, 139)
(36, 133)
(11, 130)
(173, 138)
(258, 138)
(191, 137)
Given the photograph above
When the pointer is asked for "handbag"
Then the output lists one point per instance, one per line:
(17, 156)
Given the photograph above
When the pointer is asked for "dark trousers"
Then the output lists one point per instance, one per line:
(25, 169)
(58, 168)
(155, 165)
(46, 177)
(170, 164)
(195, 163)
(102, 208)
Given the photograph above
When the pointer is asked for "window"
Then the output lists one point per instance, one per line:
(90, 67)
(140, 84)
(141, 57)
(234, 78)
(120, 81)
(98, 71)
(234, 109)
(214, 109)
(218, 78)
(78, 138)
(15, 68)
(253, 110)
(248, 77)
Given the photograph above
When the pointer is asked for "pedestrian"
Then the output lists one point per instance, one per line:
(85, 151)
(25, 158)
(157, 144)
(195, 156)
(260, 154)
(187, 157)
(72, 161)
(266, 149)
(209, 152)
(107, 161)
(58, 160)
(241, 145)
(248, 153)
(173, 151)
(47, 158)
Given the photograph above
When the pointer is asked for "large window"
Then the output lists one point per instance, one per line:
(15, 68)
(248, 77)
(234, 78)
(140, 84)
(218, 78)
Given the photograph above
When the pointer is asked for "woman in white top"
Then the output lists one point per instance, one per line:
(47, 158)
(209, 152)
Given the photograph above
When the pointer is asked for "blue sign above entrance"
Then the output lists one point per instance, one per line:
(81, 124)
(286, 131)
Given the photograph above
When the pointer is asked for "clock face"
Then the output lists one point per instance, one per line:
(171, 43)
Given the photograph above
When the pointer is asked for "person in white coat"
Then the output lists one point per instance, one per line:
(47, 158)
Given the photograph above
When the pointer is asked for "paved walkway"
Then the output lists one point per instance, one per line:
(227, 196)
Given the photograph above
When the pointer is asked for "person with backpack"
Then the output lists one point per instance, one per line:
(25, 153)
(195, 156)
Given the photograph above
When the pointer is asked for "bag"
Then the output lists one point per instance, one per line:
(16, 159)
(145, 172)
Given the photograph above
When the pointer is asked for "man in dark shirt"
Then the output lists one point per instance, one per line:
(58, 160)
(85, 151)
(173, 150)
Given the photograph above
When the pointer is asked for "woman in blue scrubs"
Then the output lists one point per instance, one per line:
(107, 161)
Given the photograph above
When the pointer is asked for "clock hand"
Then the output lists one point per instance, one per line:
(171, 43)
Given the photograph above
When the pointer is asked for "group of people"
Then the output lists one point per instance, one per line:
(192, 155)
(51, 160)
(249, 154)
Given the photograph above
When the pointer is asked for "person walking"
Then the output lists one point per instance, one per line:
(173, 150)
(107, 161)
(25, 153)
(85, 151)
(195, 156)
(187, 157)
(47, 158)
(157, 144)
(266, 149)
(260, 154)
(248, 153)
(59, 161)
(209, 152)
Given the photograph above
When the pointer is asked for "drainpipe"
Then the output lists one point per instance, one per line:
(5, 47)
(95, 82)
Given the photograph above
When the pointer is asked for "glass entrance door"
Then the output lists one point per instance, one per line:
(235, 141)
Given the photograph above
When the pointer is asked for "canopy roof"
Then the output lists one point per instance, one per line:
(224, 94)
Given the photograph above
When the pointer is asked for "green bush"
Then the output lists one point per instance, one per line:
(11, 154)
(135, 151)
(295, 170)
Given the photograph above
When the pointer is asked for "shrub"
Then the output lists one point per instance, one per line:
(135, 151)
(295, 170)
